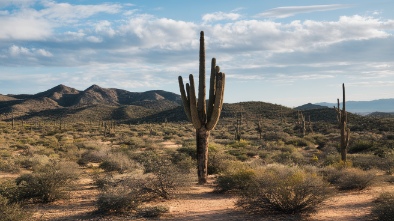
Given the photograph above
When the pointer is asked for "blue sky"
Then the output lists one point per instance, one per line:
(283, 52)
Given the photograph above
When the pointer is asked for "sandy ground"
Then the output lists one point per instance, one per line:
(201, 203)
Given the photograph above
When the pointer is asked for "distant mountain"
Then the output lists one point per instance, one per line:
(310, 106)
(61, 101)
(381, 105)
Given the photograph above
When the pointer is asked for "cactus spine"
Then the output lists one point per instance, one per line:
(203, 117)
(345, 131)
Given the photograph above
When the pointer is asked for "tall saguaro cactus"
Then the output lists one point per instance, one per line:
(204, 117)
(342, 120)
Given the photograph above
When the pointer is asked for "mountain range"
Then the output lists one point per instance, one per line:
(97, 103)
(62, 100)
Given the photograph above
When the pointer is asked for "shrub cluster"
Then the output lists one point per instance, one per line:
(46, 184)
(383, 208)
(12, 211)
(349, 178)
(278, 188)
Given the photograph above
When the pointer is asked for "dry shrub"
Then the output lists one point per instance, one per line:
(281, 189)
(9, 166)
(12, 211)
(152, 211)
(348, 178)
(118, 162)
(47, 183)
(124, 196)
(383, 209)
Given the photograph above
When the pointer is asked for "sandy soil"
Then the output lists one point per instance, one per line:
(201, 203)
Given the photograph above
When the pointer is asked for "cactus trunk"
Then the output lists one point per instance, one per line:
(203, 117)
(202, 136)
(345, 131)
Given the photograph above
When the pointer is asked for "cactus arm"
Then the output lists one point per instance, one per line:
(212, 89)
(193, 104)
(201, 105)
(185, 99)
(217, 108)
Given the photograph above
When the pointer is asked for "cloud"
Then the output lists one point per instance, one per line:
(284, 12)
(40, 24)
(219, 16)
(16, 51)
(104, 46)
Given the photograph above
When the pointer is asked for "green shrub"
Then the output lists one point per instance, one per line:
(349, 178)
(234, 181)
(383, 208)
(117, 162)
(47, 183)
(285, 190)
(12, 211)
(360, 146)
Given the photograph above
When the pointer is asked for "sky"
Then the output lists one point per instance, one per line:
(283, 52)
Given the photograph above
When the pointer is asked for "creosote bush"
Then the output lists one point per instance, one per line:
(349, 178)
(282, 189)
(235, 181)
(46, 184)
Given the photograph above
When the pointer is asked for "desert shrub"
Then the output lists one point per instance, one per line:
(12, 211)
(360, 146)
(152, 211)
(190, 151)
(369, 161)
(285, 157)
(349, 178)
(234, 181)
(383, 208)
(128, 194)
(117, 162)
(220, 162)
(284, 189)
(298, 142)
(125, 196)
(239, 144)
(93, 156)
(9, 166)
(274, 136)
(166, 177)
(47, 183)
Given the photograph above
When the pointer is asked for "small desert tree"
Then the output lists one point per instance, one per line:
(204, 118)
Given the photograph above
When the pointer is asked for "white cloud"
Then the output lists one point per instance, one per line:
(104, 27)
(66, 12)
(16, 51)
(219, 16)
(284, 12)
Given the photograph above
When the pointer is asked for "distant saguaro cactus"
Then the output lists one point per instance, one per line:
(342, 120)
(203, 118)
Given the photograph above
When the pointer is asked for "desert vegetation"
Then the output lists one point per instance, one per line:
(136, 171)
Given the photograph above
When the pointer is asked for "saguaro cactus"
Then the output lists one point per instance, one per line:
(204, 117)
(345, 131)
